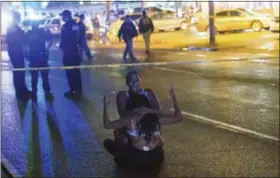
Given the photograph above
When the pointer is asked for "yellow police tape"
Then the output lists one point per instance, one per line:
(137, 64)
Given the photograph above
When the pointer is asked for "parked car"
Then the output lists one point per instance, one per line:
(168, 21)
(26, 24)
(54, 24)
(148, 9)
(233, 19)
(162, 21)
(265, 18)
(274, 25)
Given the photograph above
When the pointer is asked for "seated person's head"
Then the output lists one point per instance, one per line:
(133, 81)
(148, 125)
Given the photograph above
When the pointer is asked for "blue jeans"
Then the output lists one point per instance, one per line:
(128, 49)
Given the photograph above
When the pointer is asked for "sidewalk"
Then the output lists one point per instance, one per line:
(181, 39)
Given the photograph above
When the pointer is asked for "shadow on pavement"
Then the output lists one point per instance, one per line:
(22, 104)
(60, 164)
(34, 153)
(136, 172)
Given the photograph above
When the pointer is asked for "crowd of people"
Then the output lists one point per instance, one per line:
(128, 31)
(32, 45)
(138, 139)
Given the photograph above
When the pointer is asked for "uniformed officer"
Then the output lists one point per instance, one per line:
(16, 42)
(70, 46)
(38, 56)
(83, 36)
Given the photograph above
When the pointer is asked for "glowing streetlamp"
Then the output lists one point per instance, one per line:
(44, 4)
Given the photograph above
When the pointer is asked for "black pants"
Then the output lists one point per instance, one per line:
(130, 156)
(39, 61)
(19, 76)
(73, 75)
(86, 49)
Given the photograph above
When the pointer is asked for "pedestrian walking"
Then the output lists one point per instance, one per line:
(146, 28)
(127, 32)
(96, 29)
(70, 46)
(16, 41)
(38, 56)
(83, 36)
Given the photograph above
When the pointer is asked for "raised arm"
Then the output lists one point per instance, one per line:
(176, 117)
(112, 124)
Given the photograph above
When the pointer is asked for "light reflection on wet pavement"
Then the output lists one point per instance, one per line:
(64, 137)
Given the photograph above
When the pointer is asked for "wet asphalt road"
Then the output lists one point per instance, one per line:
(63, 137)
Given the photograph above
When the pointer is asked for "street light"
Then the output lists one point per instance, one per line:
(44, 4)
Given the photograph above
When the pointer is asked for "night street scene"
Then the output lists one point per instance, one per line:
(140, 89)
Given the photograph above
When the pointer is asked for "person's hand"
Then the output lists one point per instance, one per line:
(171, 91)
(141, 111)
(133, 121)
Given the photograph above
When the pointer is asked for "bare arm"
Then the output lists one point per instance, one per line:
(154, 100)
(172, 118)
(112, 124)
(121, 105)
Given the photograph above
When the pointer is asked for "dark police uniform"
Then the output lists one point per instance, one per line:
(84, 45)
(38, 56)
(70, 45)
(16, 41)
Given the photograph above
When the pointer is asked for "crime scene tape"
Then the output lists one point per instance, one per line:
(139, 64)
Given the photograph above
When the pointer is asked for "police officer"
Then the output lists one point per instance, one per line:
(70, 46)
(83, 36)
(127, 32)
(16, 42)
(38, 56)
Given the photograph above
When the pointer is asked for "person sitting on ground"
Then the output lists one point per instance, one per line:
(135, 97)
(145, 144)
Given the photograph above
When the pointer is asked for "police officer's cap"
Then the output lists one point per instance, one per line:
(82, 16)
(66, 13)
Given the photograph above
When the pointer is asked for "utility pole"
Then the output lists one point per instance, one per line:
(176, 7)
(107, 10)
(24, 9)
(212, 38)
(142, 4)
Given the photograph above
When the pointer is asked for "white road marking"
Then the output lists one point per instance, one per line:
(227, 126)
(236, 99)
(178, 71)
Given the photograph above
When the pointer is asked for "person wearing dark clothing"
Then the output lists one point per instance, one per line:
(127, 32)
(70, 46)
(141, 123)
(16, 41)
(38, 56)
(83, 36)
(146, 27)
